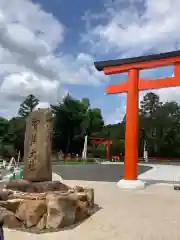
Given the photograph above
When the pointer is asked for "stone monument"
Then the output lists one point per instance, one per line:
(37, 203)
(37, 146)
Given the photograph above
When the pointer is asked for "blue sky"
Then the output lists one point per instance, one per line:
(72, 14)
(50, 47)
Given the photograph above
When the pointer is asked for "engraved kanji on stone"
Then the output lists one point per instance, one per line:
(32, 159)
(35, 122)
(49, 132)
(37, 149)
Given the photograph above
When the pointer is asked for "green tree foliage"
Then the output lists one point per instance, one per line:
(4, 125)
(115, 131)
(149, 104)
(16, 133)
(12, 131)
(100, 151)
(7, 150)
(117, 148)
(73, 119)
(12, 138)
(28, 105)
(161, 124)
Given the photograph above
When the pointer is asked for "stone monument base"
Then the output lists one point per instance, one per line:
(131, 184)
(43, 206)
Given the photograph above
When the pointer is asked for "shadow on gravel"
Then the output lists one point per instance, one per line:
(149, 182)
(94, 172)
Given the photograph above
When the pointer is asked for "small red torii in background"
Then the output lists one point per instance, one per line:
(132, 88)
(104, 141)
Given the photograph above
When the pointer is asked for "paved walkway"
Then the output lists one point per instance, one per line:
(157, 174)
(153, 213)
(161, 174)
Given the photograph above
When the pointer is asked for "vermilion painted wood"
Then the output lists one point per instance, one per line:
(141, 65)
(132, 87)
(144, 85)
(104, 141)
(101, 138)
(131, 139)
(148, 84)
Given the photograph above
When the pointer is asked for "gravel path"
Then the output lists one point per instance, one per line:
(153, 213)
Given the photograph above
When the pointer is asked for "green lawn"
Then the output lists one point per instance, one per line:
(76, 162)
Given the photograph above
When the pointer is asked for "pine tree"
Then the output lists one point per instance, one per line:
(28, 105)
(149, 104)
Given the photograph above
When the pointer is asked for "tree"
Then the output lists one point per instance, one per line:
(4, 124)
(16, 133)
(72, 120)
(117, 148)
(28, 105)
(100, 151)
(95, 122)
(115, 131)
(67, 122)
(168, 126)
(7, 151)
(12, 139)
(161, 125)
(149, 104)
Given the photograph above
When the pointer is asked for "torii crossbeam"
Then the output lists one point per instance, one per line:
(132, 87)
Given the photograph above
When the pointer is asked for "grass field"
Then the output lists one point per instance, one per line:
(74, 162)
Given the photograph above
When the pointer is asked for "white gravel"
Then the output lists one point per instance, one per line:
(153, 213)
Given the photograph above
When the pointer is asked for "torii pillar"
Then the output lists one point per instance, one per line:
(132, 88)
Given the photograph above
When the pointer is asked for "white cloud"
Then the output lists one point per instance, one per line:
(30, 63)
(19, 85)
(43, 105)
(134, 28)
(30, 37)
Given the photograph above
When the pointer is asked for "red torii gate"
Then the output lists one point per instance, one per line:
(132, 87)
(105, 141)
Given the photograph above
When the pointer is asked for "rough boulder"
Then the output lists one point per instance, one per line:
(43, 205)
